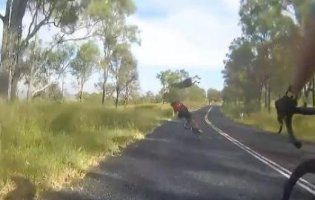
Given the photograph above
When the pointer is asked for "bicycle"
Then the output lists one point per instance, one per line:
(188, 126)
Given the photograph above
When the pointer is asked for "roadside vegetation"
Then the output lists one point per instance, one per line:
(50, 144)
(264, 120)
(260, 63)
(52, 128)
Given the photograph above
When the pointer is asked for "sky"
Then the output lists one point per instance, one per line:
(185, 34)
(179, 34)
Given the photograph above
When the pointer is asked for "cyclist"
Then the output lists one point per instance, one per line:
(183, 112)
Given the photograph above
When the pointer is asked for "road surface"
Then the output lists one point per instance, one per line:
(229, 161)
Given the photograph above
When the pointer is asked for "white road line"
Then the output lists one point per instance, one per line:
(283, 171)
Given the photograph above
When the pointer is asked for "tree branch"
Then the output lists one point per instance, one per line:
(2, 17)
(37, 92)
(36, 28)
(89, 34)
(77, 39)
(34, 31)
(34, 19)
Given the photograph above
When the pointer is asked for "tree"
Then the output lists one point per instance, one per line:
(58, 63)
(213, 95)
(46, 67)
(112, 30)
(149, 97)
(83, 64)
(104, 67)
(259, 63)
(169, 78)
(32, 66)
(62, 14)
(52, 93)
(195, 94)
(116, 36)
(124, 70)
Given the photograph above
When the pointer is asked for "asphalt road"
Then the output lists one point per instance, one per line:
(229, 161)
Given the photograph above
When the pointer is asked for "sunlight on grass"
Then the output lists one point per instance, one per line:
(50, 144)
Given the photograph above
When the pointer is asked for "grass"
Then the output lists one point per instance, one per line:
(304, 126)
(50, 144)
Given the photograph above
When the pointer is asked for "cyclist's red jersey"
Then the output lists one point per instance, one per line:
(178, 106)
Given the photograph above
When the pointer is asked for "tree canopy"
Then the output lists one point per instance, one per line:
(41, 65)
(259, 65)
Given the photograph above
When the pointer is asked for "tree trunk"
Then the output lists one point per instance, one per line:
(126, 98)
(104, 93)
(29, 86)
(260, 97)
(269, 98)
(14, 88)
(105, 75)
(29, 92)
(80, 95)
(81, 91)
(266, 97)
(305, 95)
(313, 91)
(117, 97)
(12, 34)
(63, 87)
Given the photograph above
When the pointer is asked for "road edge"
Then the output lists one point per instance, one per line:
(304, 184)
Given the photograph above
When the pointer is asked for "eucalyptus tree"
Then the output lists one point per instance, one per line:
(43, 67)
(82, 65)
(113, 30)
(123, 70)
(63, 14)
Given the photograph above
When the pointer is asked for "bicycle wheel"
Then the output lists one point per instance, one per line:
(187, 125)
(305, 167)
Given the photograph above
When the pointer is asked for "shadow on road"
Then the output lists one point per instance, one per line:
(24, 189)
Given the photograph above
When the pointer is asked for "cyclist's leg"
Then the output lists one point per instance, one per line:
(187, 124)
(194, 124)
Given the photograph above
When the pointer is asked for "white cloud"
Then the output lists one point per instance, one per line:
(192, 37)
(232, 4)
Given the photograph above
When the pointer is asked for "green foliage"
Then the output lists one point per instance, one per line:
(260, 64)
(213, 95)
(169, 78)
(85, 60)
(117, 36)
(195, 94)
(233, 111)
(105, 20)
(103, 9)
(84, 63)
(58, 59)
(47, 143)
(264, 120)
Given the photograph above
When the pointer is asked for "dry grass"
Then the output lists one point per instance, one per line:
(304, 126)
(50, 144)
